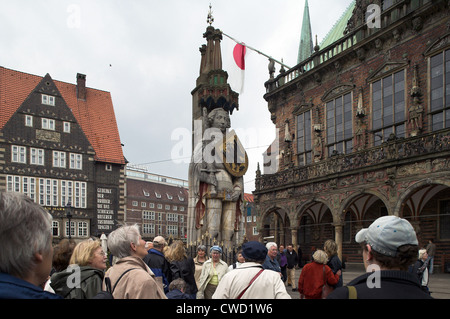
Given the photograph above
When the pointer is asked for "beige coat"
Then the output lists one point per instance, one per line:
(268, 285)
(205, 277)
(138, 283)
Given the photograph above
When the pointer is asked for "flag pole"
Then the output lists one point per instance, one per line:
(257, 51)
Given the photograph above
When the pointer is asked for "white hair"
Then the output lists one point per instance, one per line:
(270, 244)
(421, 253)
(25, 229)
(119, 240)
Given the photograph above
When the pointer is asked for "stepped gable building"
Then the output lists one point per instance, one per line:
(60, 145)
(158, 204)
(367, 117)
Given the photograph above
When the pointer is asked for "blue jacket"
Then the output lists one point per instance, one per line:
(176, 294)
(159, 266)
(15, 288)
(271, 264)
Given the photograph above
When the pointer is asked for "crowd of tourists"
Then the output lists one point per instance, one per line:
(31, 268)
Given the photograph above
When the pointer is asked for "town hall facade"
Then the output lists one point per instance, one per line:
(364, 125)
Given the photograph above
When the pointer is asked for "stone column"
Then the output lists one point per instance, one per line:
(338, 239)
(294, 238)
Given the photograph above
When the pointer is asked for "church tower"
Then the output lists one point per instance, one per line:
(305, 48)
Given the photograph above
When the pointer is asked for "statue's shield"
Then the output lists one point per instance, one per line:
(235, 157)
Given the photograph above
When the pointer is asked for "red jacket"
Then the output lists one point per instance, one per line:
(311, 280)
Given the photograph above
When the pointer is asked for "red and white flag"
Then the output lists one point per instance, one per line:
(236, 73)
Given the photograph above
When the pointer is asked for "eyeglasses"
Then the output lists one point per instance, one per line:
(101, 253)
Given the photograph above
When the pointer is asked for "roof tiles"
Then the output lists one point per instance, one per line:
(95, 115)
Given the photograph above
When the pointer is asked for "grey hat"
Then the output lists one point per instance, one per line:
(386, 234)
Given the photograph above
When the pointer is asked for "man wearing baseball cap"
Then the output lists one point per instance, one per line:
(157, 262)
(250, 280)
(389, 246)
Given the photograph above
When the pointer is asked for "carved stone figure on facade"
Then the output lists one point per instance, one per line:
(318, 147)
(415, 116)
(416, 108)
(216, 183)
(360, 125)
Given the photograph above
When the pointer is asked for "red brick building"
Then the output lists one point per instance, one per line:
(364, 128)
(158, 204)
(60, 145)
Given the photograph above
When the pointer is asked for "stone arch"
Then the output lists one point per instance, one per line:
(308, 231)
(302, 207)
(358, 211)
(414, 188)
(275, 221)
(349, 201)
(423, 205)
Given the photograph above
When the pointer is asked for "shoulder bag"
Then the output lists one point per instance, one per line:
(254, 278)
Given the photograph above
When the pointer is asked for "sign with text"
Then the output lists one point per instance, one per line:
(106, 208)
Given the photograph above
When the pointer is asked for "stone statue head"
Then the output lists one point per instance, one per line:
(219, 118)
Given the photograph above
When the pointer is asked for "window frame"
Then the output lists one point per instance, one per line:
(444, 77)
(304, 140)
(382, 132)
(48, 99)
(48, 124)
(38, 158)
(345, 141)
(18, 154)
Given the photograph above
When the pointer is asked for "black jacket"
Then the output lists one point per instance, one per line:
(292, 258)
(185, 270)
(394, 284)
(335, 264)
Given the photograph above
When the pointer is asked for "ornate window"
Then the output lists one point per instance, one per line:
(304, 148)
(388, 107)
(339, 125)
(440, 90)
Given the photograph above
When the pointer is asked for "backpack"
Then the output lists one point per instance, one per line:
(108, 293)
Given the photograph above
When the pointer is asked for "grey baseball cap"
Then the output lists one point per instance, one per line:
(386, 234)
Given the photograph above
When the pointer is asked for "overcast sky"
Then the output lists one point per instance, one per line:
(145, 52)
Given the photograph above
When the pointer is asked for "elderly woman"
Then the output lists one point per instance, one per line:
(313, 277)
(212, 272)
(137, 281)
(199, 261)
(87, 266)
(25, 227)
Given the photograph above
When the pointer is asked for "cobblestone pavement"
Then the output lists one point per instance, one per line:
(439, 284)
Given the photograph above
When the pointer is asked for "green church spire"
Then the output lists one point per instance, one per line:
(305, 48)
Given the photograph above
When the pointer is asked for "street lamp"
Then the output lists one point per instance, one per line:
(68, 210)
